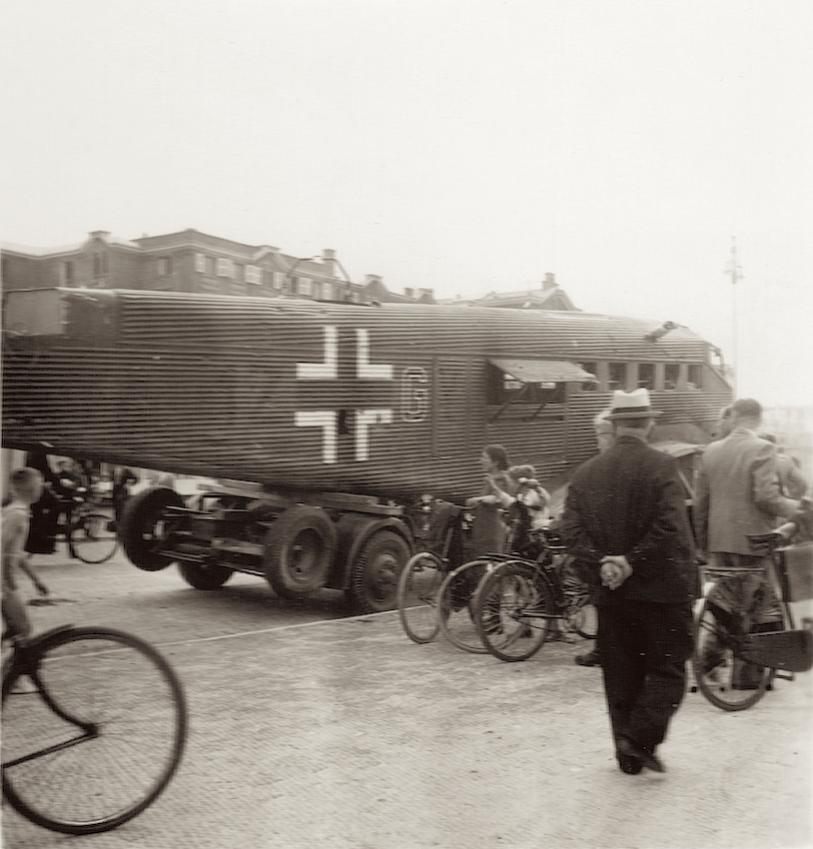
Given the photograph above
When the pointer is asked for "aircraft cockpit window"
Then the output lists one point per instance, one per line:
(646, 376)
(616, 376)
(590, 385)
(671, 375)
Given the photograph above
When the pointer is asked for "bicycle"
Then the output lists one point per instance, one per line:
(89, 532)
(523, 602)
(94, 727)
(734, 662)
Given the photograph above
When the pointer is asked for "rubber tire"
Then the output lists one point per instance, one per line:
(711, 694)
(529, 573)
(408, 620)
(361, 596)
(279, 551)
(141, 513)
(64, 636)
(212, 576)
(470, 603)
(76, 545)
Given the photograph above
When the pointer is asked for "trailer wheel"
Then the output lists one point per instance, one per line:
(143, 527)
(374, 576)
(299, 551)
(210, 576)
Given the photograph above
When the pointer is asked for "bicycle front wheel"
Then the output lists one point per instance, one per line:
(515, 611)
(456, 605)
(418, 589)
(721, 675)
(94, 727)
(93, 537)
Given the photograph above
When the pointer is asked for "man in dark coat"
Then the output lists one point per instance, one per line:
(625, 516)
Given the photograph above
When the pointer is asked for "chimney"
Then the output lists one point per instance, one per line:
(329, 260)
(104, 235)
(550, 281)
(426, 296)
(409, 292)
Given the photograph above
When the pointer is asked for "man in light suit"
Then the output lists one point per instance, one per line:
(737, 494)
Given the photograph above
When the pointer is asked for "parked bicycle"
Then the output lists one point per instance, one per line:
(436, 586)
(94, 727)
(88, 530)
(736, 661)
(523, 602)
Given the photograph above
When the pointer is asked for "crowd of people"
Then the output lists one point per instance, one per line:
(626, 523)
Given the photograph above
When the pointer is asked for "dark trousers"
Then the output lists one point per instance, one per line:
(644, 648)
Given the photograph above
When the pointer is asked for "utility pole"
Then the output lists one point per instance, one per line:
(734, 269)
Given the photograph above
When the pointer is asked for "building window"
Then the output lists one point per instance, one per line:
(695, 377)
(66, 273)
(646, 376)
(671, 375)
(254, 275)
(278, 279)
(225, 267)
(164, 266)
(200, 263)
(327, 291)
(97, 265)
(616, 375)
(304, 286)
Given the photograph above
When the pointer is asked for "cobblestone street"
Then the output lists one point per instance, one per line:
(308, 732)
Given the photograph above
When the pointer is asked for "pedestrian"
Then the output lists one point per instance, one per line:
(625, 517)
(488, 529)
(123, 479)
(26, 489)
(738, 493)
(724, 425)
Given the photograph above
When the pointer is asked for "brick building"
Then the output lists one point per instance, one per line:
(191, 261)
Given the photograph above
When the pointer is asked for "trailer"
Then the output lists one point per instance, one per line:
(325, 422)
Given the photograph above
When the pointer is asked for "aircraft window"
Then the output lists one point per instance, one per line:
(504, 387)
(592, 368)
(671, 374)
(617, 376)
(695, 377)
(646, 375)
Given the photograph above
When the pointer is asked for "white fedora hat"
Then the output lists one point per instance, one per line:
(631, 405)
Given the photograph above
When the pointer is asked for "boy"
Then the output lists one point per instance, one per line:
(26, 488)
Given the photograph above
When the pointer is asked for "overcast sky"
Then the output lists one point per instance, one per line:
(465, 145)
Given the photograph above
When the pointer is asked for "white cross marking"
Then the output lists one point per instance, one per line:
(365, 418)
(366, 370)
(325, 419)
(326, 370)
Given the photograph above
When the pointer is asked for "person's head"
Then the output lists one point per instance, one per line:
(494, 458)
(523, 473)
(26, 484)
(724, 424)
(603, 428)
(746, 412)
(631, 413)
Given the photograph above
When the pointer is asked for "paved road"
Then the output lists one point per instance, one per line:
(311, 731)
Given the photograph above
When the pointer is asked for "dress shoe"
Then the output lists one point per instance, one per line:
(629, 749)
(629, 765)
(590, 658)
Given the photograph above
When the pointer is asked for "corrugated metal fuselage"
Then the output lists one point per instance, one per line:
(390, 401)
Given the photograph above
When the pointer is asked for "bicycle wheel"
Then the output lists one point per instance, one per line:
(725, 679)
(93, 537)
(97, 737)
(418, 589)
(582, 617)
(515, 611)
(455, 615)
